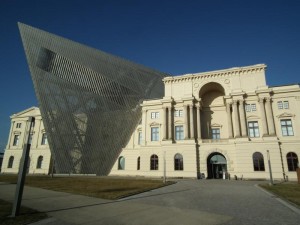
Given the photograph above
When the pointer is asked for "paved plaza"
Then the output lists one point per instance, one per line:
(186, 202)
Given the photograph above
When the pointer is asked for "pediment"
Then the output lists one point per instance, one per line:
(178, 122)
(252, 117)
(216, 125)
(154, 124)
(285, 114)
(32, 111)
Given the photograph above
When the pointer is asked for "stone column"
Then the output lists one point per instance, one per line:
(237, 132)
(144, 127)
(229, 119)
(242, 118)
(270, 120)
(198, 120)
(170, 136)
(185, 113)
(263, 116)
(192, 121)
(164, 124)
(10, 135)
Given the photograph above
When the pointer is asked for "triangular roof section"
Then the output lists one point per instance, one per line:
(286, 114)
(32, 111)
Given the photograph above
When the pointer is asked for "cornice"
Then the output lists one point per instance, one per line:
(235, 71)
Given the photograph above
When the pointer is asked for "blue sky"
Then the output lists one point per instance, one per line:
(172, 36)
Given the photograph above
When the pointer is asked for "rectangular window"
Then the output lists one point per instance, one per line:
(16, 140)
(253, 130)
(250, 107)
(18, 125)
(178, 113)
(140, 138)
(280, 105)
(154, 134)
(154, 115)
(285, 104)
(215, 133)
(179, 133)
(44, 139)
(30, 138)
(286, 127)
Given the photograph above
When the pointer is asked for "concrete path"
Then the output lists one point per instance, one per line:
(188, 202)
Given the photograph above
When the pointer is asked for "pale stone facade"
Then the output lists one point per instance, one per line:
(214, 125)
(217, 124)
(40, 156)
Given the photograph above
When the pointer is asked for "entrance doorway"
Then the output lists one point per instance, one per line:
(216, 166)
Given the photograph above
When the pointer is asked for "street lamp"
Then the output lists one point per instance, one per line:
(270, 169)
(22, 170)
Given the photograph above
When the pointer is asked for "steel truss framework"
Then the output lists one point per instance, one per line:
(89, 100)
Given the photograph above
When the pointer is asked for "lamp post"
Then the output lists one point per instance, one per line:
(22, 171)
(164, 179)
(270, 169)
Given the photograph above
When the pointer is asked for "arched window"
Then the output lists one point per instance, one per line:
(10, 162)
(178, 162)
(292, 161)
(258, 162)
(121, 164)
(138, 163)
(39, 162)
(154, 162)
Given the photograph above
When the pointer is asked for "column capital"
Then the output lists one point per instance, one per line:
(241, 101)
(268, 99)
(234, 102)
(198, 105)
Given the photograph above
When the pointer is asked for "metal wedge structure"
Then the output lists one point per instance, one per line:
(89, 100)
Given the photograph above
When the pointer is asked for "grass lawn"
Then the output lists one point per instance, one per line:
(26, 215)
(288, 190)
(100, 187)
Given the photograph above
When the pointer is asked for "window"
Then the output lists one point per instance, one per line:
(140, 138)
(121, 163)
(287, 127)
(16, 140)
(178, 162)
(30, 138)
(39, 162)
(250, 107)
(292, 161)
(283, 104)
(154, 134)
(10, 162)
(154, 162)
(178, 113)
(44, 139)
(179, 133)
(215, 133)
(139, 163)
(258, 162)
(18, 125)
(253, 129)
(154, 115)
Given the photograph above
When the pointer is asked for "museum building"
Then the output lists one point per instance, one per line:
(218, 124)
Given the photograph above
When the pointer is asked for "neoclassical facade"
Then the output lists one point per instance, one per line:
(40, 155)
(217, 124)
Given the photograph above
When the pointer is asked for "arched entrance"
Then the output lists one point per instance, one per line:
(216, 166)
